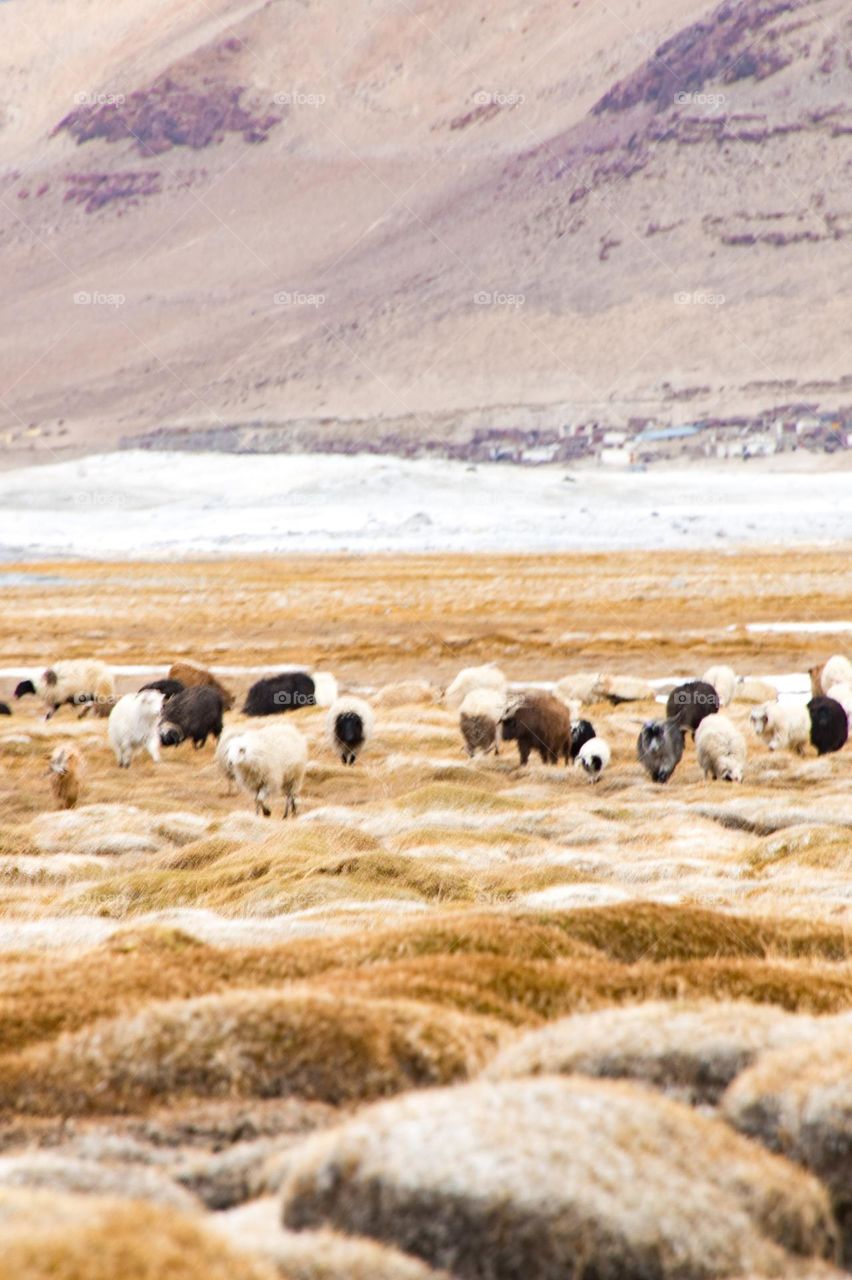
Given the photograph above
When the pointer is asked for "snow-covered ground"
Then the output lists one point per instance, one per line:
(149, 504)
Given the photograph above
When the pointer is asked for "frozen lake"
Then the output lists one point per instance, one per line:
(142, 504)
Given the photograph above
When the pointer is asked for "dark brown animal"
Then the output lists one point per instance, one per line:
(191, 674)
(539, 722)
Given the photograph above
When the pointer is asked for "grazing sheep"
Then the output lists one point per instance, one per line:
(488, 676)
(782, 726)
(539, 722)
(829, 725)
(273, 695)
(479, 720)
(594, 756)
(350, 726)
(689, 703)
(582, 731)
(222, 759)
(721, 749)
(724, 681)
(270, 761)
(78, 681)
(325, 688)
(66, 770)
(191, 674)
(132, 726)
(836, 670)
(168, 688)
(195, 713)
(660, 747)
(5, 709)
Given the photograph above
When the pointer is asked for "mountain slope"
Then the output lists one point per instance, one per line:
(286, 214)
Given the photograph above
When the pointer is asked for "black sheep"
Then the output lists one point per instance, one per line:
(660, 747)
(168, 688)
(285, 692)
(194, 713)
(581, 733)
(829, 725)
(690, 703)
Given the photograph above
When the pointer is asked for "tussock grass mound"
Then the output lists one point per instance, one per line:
(522, 1178)
(56, 1237)
(826, 848)
(50, 1171)
(652, 931)
(690, 1050)
(469, 797)
(248, 1044)
(317, 1255)
(799, 1102)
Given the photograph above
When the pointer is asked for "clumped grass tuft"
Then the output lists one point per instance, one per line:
(470, 798)
(249, 1044)
(55, 1237)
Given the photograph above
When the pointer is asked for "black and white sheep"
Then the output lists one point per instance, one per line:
(479, 720)
(349, 725)
(167, 687)
(582, 731)
(829, 725)
(288, 691)
(78, 682)
(538, 722)
(269, 761)
(133, 726)
(689, 703)
(660, 747)
(721, 749)
(195, 713)
(593, 757)
(782, 725)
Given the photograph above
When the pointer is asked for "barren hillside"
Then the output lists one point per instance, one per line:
(281, 213)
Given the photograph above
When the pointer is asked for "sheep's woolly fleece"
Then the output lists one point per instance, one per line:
(531, 1175)
(799, 1102)
(691, 1050)
(249, 1044)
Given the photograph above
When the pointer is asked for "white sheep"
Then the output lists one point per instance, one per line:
(783, 725)
(269, 761)
(82, 682)
(133, 725)
(488, 676)
(325, 688)
(837, 670)
(479, 720)
(724, 681)
(721, 748)
(221, 755)
(349, 725)
(594, 756)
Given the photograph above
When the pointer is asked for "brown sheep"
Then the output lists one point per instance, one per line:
(66, 770)
(191, 673)
(539, 722)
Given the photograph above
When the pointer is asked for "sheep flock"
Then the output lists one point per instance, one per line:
(316, 976)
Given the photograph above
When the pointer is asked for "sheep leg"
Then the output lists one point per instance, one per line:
(260, 805)
(523, 750)
(154, 747)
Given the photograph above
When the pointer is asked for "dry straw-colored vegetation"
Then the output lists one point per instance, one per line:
(188, 991)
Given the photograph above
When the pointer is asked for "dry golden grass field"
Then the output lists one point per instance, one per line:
(458, 1017)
